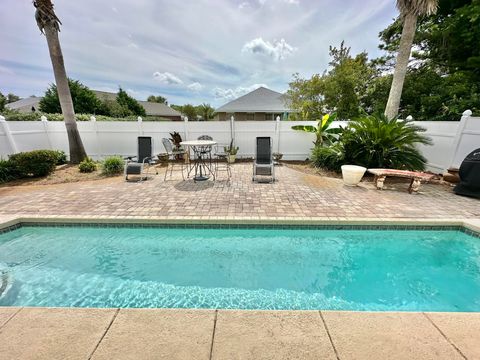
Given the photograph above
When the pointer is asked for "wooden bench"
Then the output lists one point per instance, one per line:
(417, 178)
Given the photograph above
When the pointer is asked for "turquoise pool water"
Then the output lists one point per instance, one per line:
(241, 268)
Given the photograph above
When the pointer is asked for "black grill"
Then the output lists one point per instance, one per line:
(469, 176)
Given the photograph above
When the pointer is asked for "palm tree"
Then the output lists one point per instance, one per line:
(409, 10)
(49, 25)
(206, 111)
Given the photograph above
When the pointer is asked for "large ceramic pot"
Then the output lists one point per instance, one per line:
(352, 174)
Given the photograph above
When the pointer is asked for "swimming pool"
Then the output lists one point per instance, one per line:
(241, 268)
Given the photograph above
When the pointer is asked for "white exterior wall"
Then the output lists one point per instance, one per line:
(452, 141)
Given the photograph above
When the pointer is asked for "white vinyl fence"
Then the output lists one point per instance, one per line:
(452, 140)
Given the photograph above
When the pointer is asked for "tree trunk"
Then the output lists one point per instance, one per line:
(77, 151)
(408, 33)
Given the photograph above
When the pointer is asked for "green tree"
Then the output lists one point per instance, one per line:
(129, 102)
(3, 102)
(84, 100)
(410, 10)
(157, 99)
(342, 89)
(12, 98)
(49, 24)
(205, 111)
(189, 111)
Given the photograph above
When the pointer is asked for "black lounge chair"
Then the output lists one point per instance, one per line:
(140, 165)
(263, 163)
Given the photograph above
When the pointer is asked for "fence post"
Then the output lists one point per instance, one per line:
(93, 119)
(10, 139)
(458, 136)
(185, 123)
(140, 126)
(44, 121)
(277, 130)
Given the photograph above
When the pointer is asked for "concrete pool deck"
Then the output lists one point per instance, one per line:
(75, 333)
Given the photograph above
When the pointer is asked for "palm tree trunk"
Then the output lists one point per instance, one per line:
(408, 33)
(77, 150)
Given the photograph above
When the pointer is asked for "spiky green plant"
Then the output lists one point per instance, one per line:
(376, 141)
(324, 135)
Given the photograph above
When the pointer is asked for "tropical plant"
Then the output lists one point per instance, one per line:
(87, 166)
(113, 165)
(176, 139)
(231, 149)
(410, 10)
(49, 24)
(206, 111)
(61, 157)
(324, 135)
(375, 142)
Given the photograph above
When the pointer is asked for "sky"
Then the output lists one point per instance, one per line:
(189, 51)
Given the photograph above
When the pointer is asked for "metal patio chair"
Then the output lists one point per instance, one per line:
(263, 163)
(140, 165)
(173, 155)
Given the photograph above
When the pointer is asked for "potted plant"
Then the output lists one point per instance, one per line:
(231, 152)
(176, 139)
(277, 156)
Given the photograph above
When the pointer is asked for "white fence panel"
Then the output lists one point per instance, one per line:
(442, 134)
(452, 140)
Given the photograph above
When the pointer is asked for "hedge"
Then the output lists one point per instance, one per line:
(15, 116)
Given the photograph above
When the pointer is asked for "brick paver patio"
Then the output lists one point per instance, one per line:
(294, 195)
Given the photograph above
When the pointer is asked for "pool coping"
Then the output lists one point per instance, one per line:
(472, 225)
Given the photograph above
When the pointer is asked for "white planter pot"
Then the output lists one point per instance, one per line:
(352, 174)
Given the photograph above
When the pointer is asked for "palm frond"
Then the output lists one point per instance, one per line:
(45, 15)
(417, 7)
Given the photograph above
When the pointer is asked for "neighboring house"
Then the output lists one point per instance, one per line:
(26, 105)
(259, 105)
(151, 108)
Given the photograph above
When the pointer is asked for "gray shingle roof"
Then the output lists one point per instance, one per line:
(25, 105)
(259, 100)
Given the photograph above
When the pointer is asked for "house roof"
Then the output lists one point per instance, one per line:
(25, 105)
(259, 100)
(151, 108)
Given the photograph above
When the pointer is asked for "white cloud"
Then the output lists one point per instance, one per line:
(167, 78)
(244, 5)
(195, 87)
(293, 2)
(230, 94)
(278, 50)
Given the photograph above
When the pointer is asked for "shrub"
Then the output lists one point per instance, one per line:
(34, 163)
(375, 142)
(87, 166)
(35, 116)
(113, 165)
(8, 171)
(61, 157)
(331, 158)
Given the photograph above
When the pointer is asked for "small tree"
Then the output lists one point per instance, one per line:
(189, 111)
(157, 99)
(133, 105)
(84, 100)
(3, 101)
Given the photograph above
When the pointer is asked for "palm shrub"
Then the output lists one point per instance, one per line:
(375, 142)
(113, 165)
(324, 134)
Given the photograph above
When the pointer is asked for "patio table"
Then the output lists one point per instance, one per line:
(200, 148)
